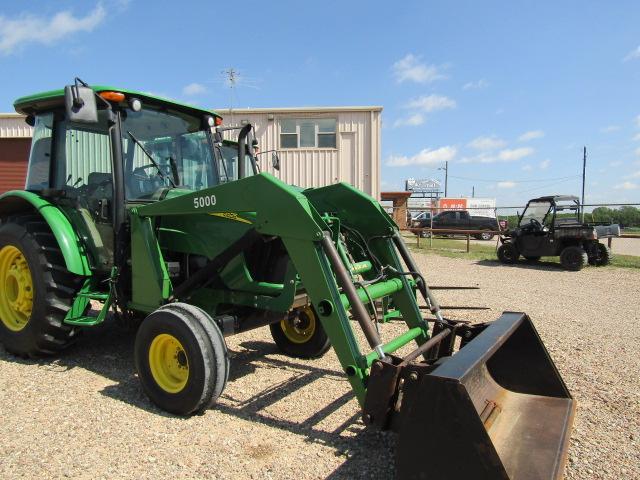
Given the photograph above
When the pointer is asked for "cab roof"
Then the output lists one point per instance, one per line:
(31, 104)
(556, 198)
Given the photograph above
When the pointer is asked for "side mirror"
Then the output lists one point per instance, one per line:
(80, 104)
(275, 161)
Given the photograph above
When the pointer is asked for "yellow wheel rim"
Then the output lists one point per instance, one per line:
(301, 328)
(168, 363)
(16, 289)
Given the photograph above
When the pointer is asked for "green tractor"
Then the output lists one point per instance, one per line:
(157, 212)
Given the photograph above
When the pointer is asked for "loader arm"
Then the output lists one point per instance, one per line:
(307, 222)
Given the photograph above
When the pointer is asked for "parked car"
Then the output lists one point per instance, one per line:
(456, 220)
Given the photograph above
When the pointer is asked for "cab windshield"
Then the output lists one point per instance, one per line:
(537, 211)
(165, 148)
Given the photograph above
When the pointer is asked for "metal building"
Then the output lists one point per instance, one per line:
(316, 146)
(15, 141)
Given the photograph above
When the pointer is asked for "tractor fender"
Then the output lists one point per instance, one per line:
(16, 201)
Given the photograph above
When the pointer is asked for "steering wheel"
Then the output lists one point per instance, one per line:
(143, 183)
(535, 225)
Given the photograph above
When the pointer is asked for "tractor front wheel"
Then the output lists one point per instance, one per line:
(181, 358)
(301, 335)
(36, 290)
(573, 258)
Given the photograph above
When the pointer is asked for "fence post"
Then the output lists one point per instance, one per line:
(609, 241)
(468, 242)
(418, 237)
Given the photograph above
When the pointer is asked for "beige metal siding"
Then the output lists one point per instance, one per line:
(13, 126)
(315, 167)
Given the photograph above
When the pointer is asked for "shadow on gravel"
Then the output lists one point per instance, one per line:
(531, 265)
(107, 350)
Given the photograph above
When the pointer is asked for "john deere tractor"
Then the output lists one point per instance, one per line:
(154, 210)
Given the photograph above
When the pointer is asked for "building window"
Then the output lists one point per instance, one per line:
(308, 133)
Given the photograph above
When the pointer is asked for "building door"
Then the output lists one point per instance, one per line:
(348, 158)
(14, 155)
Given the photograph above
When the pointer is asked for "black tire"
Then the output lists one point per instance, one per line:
(508, 253)
(486, 236)
(603, 256)
(573, 258)
(531, 258)
(52, 288)
(202, 352)
(302, 335)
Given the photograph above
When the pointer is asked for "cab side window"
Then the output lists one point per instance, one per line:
(40, 156)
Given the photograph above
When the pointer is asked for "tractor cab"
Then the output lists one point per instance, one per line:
(98, 152)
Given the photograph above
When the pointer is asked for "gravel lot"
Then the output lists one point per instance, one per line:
(84, 415)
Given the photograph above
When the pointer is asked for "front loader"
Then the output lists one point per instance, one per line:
(160, 214)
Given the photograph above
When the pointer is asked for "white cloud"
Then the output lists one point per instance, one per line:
(610, 128)
(531, 135)
(506, 155)
(487, 143)
(626, 186)
(634, 175)
(616, 163)
(637, 152)
(410, 121)
(636, 137)
(637, 121)
(527, 168)
(633, 54)
(506, 184)
(431, 103)
(17, 32)
(426, 156)
(545, 164)
(412, 68)
(482, 83)
(194, 89)
(510, 155)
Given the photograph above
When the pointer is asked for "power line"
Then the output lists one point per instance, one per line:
(516, 181)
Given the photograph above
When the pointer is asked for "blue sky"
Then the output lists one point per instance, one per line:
(508, 92)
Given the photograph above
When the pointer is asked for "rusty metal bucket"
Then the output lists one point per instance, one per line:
(496, 409)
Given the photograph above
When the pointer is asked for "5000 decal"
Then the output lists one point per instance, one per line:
(204, 201)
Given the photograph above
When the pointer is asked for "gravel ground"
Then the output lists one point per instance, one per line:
(83, 415)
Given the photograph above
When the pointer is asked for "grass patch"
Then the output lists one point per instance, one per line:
(452, 248)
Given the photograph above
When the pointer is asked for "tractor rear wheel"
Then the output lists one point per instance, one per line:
(36, 289)
(603, 256)
(508, 253)
(181, 358)
(573, 258)
(301, 335)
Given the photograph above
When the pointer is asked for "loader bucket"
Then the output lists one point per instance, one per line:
(496, 409)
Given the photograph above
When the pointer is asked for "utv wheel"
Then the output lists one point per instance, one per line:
(181, 359)
(573, 258)
(36, 290)
(603, 257)
(508, 253)
(532, 259)
(302, 335)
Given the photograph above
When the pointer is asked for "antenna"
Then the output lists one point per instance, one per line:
(231, 76)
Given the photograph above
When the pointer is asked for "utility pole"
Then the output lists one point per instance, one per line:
(446, 176)
(473, 191)
(232, 79)
(584, 171)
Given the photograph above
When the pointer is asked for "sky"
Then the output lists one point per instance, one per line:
(507, 92)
